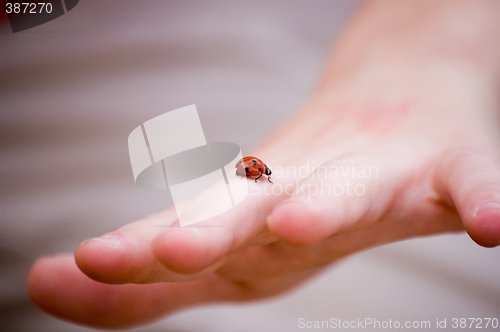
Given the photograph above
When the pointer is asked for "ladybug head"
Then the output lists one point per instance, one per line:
(268, 171)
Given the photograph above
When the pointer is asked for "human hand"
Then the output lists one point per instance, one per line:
(420, 184)
(435, 168)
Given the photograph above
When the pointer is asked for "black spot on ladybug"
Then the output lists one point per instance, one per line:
(260, 169)
(247, 169)
(254, 162)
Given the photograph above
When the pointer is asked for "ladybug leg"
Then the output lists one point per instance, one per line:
(269, 178)
(258, 177)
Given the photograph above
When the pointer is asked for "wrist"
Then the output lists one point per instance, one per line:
(407, 45)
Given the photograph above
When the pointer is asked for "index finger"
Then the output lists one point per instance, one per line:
(158, 249)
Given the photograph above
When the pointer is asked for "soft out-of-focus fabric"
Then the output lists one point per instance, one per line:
(72, 90)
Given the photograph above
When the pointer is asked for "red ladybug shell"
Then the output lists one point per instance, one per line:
(253, 168)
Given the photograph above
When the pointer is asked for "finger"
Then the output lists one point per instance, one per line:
(470, 181)
(124, 256)
(338, 195)
(57, 286)
(142, 252)
(202, 247)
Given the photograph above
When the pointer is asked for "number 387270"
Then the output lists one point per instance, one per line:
(28, 8)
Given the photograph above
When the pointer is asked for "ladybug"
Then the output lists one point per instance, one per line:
(253, 168)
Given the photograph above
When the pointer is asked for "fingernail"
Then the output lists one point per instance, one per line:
(303, 199)
(211, 233)
(306, 201)
(299, 203)
(109, 239)
(486, 206)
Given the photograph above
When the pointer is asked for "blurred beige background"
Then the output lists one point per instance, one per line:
(72, 90)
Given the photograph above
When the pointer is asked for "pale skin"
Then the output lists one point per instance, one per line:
(411, 87)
